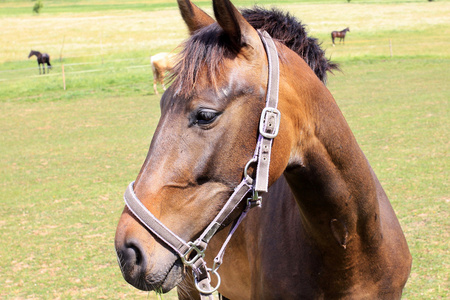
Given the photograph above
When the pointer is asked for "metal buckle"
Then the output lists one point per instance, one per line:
(264, 117)
(190, 262)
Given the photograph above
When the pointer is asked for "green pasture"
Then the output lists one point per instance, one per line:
(66, 156)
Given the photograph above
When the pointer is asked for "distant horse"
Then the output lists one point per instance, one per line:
(339, 34)
(161, 63)
(246, 114)
(42, 58)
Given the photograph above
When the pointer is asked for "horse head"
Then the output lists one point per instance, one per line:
(206, 137)
(206, 134)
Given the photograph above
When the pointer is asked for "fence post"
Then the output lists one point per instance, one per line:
(62, 47)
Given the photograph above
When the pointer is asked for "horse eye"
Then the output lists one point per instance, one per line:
(206, 116)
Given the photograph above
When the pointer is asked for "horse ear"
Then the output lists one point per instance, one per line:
(194, 17)
(241, 33)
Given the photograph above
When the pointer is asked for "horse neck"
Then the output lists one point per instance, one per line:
(327, 171)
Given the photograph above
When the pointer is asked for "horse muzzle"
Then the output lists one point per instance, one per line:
(139, 270)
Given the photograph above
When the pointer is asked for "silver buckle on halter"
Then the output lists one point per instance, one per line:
(270, 117)
(199, 254)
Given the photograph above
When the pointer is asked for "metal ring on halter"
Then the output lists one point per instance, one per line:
(253, 160)
(213, 289)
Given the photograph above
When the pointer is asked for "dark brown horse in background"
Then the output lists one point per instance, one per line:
(326, 228)
(42, 58)
(340, 34)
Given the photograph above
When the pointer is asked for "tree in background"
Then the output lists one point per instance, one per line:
(38, 6)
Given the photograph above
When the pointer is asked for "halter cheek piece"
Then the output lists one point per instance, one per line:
(192, 253)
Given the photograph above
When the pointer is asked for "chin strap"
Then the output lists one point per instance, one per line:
(192, 253)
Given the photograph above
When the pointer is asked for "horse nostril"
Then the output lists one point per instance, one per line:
(138, 254)
(133, 263)
(132, 254)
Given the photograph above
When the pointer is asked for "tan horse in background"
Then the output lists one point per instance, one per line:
(161, 63)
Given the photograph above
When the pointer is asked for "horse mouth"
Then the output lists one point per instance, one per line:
(172, 278)
(161, 281)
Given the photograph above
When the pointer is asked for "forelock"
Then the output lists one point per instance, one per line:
(204, 51)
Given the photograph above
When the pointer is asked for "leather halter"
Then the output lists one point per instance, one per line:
(192, 253)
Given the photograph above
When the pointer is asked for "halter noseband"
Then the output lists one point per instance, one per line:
(192, 253)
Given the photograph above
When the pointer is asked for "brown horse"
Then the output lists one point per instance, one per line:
(325, 229)
(42, 58)
(161, 63)
(340, 34)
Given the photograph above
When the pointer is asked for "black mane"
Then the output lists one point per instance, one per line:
(207, 47)
(289, 31)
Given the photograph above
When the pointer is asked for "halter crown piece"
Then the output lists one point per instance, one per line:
(192, 253)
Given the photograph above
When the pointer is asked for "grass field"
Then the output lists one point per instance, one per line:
(66, 157)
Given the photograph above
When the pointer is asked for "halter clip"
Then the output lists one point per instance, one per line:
(255, 200)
